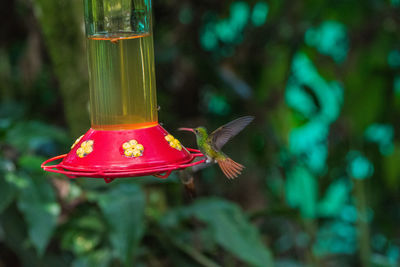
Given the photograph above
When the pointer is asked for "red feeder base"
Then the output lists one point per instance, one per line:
(124, 153)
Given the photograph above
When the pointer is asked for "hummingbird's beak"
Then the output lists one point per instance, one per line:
(186, 129)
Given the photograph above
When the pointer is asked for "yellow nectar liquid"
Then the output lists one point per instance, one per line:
(122, 82)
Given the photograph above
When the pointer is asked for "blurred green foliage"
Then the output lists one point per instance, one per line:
(321, 186)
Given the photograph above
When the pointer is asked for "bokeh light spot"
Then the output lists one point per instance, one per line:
(186, 15)
(349, 214)
(260, 13)
(208, 39)
(394, 58)
(336, 237)
(396, 86)
(359, 167)
(330, 39)
(240, 13)
(224, 34)
(309, 140)
(381, 134)
(216, 104)
(395, 3)
(393, 254)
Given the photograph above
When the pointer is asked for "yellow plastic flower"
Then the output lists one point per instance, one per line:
(126, 146)
(85, 149)
(85, 145)
(80, 151)
(88, 149)
(173, 142)
(133, 149)
(169, 138)
(128, 152)
(139, 147)
(137, 153)
(133, 142)
(77, 141)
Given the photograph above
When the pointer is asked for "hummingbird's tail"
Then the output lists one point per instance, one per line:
(230, 168)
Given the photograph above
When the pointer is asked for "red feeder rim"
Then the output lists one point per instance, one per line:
(124, 153)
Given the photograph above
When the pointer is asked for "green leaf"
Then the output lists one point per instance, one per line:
(230, 229)
(35, 135)
(9, 112)
(391, 169)
(83, 234)
(123, 208)
(301, 191)
(335, 199)
(16, 180)
(7, 193)
(13, 239)
(37, 202)
(79, 241)
(31, 163)
(99, 258)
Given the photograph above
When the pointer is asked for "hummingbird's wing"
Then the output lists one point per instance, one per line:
(224, 133)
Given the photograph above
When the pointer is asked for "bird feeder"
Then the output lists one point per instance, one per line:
(125, 139)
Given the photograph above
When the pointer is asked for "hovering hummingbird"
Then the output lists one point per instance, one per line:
(210, 145)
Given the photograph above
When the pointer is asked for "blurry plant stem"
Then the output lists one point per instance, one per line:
(196, 255)
(65, 44)
(310, 227)
(362, 223)
(185, 248)
(278, 210)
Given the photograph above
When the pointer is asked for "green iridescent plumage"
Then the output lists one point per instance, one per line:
(210, 145)
(205, 144)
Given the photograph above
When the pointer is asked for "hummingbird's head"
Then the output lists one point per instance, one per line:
(199, 131)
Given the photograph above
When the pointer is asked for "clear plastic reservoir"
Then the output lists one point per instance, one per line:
(121, 64)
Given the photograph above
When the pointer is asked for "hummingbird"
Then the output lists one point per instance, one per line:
(211, 145)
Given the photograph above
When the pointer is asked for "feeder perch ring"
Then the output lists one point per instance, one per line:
(161, 172)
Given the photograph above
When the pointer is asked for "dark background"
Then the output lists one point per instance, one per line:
(321, 187)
